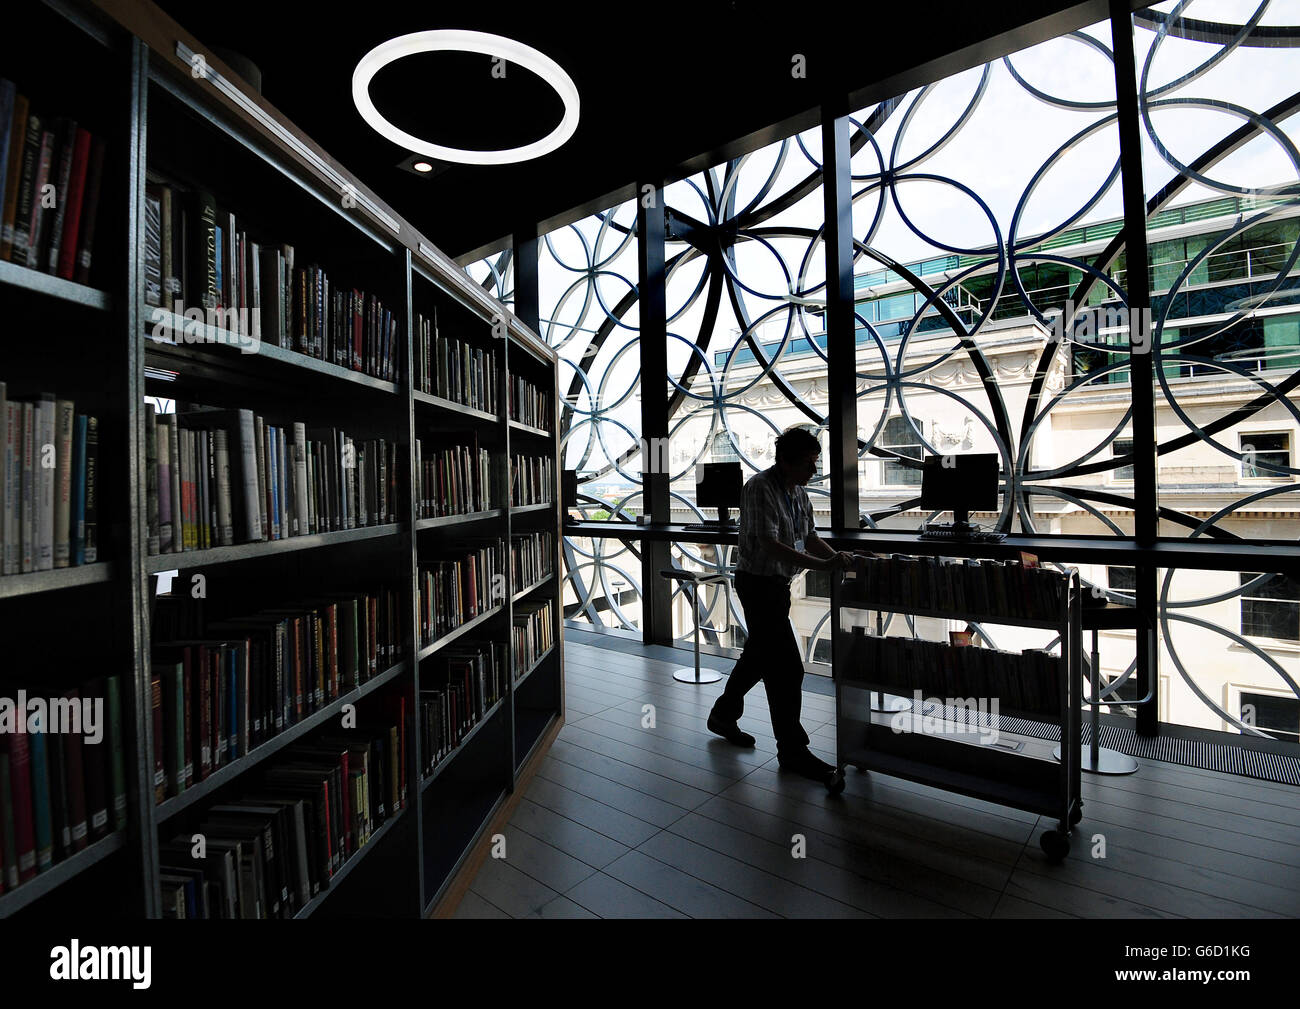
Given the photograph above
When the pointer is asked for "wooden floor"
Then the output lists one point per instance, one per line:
(624, 821)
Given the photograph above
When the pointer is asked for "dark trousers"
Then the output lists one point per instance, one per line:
(772, 655)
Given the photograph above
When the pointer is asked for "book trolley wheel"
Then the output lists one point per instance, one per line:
(1076, 813)
(1056, 844)
(835, 781)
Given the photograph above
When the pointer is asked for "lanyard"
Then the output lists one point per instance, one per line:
(794, 518)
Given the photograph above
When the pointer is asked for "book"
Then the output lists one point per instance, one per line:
(66, 264)
(90, 211)
(20, 789)
(44, 199)
(61, 178)
(43, 475)
(92, 491)
(64, 427)
(12, 128)
(27, 498)
(77, 517)
(16, 242)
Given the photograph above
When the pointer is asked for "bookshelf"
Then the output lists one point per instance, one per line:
(962, 743)
(113, 356)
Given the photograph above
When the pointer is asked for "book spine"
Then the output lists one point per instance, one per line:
(16, 248)
(75, 778)
(20, 776)
(152, 510)
(63, 191)
(116, 751)
(159, 741)
(42, 816)
(225, 521)
(163, 485)
(41, 204)
(12, 166)
(44, 488)
(8, 836)
(92, 490)
(248, 475)
(174, 487)
(67, 261)
(65, 418)
(90, 211)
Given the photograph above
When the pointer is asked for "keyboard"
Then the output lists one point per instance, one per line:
(711, 527)
(952, 536)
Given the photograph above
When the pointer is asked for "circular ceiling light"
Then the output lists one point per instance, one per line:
(422, 166)
(474, 42)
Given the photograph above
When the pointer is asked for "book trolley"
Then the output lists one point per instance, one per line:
(938, 742)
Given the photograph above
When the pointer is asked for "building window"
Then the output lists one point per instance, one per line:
(1270, 608)
(723, 449)
(1265, 455)
(1120, 447)
(817, 584)
(898, 436)
(1278, 716)
(1122, 580)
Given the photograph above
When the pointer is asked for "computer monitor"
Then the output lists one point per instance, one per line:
(568, 489)
(719, 485)
(960, 484)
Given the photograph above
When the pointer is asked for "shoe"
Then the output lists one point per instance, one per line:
(805, 763)
(729, 731)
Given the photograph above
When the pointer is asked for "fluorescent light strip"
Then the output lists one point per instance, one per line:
(188, 55)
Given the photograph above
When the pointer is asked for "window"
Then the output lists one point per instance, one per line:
(1122, 580)
(723, 449)
(1120, 447)
(1278, 716)
(817, 584)
(899, 437)
(1262, 453)
(1271, 608)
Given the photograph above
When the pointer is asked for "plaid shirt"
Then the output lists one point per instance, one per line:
(766, 510)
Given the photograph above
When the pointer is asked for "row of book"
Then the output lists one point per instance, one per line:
(268, 853)
(51, 174)
(470, 679)
(459, 589)
(246, 680)
(987, 588)
(452, 479)
(198, 256)
(532, 558)
(454, 369)
(1028, 681)
(529, 403)
(532, 633)
(532, 480)
(49, 458)
(62, 777)
(221, 477)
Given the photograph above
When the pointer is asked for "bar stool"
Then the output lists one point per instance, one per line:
(1098, 759)
(689, 674)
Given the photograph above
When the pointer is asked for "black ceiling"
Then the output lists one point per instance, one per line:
(661, 86)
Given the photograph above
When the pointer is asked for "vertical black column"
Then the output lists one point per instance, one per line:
(1146, 502)
(656, 612)
(842, 405)
(527, 296)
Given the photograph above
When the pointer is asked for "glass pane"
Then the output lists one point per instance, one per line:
(1220, 176)
(746, 349)
(980, 204)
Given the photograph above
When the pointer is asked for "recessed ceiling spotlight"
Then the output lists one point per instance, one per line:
(422, 166)
(474, 42)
